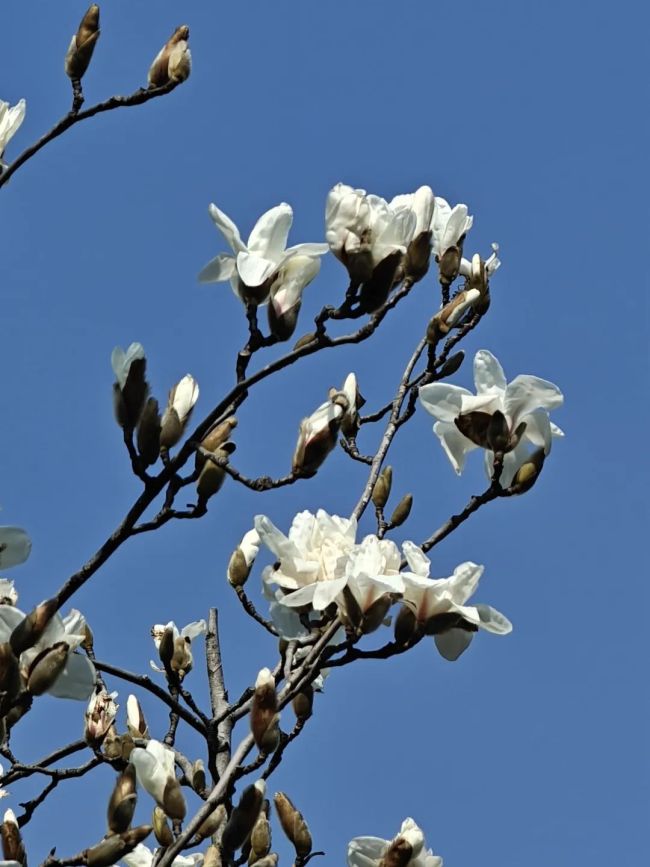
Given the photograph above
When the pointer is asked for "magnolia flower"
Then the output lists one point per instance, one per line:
(131, 388)
(174, 60)
(242, 559)
(254, 268)
(373, 585)
(449, 225)
(318, 432)
(407, 846)
(466, 421)
(154, 768)
(135, 719)
(363, 230)
(73, 675)
(286, 294)
(174, 646)
(100, 713)
(314, 553)
(10, 121)
(182, 398)
(439, 604)
(15, 546)
(142, 856)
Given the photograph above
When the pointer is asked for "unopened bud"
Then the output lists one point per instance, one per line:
(130, 398)
(260, 839)
(47, 667)
(293, 824)
(148, 436)
(238, 568)
(243, 817)
(381, 490)
(173, 61)
(121, 805)
(211, 479)
(264, 718)
(83, 44)
(198, 776)
(12, 842)
(135, 836)
(304, 340)
(180, 403)
(173, 802)
(135, 719)
(302, 703)
(218, 435)
(451, 365)
(528, 473)
(29, 630)
(161, 829)
(449, 265)
(402, 511)
(212, 824)
(182, 659)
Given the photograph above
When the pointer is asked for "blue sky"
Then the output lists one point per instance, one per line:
(531, 749)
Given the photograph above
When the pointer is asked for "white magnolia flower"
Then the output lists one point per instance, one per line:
(285, 297)
(154, 768)
(100, 713)
(430, 598)
(473, 269)
(142, 856)
(77, 679)
(421, 203)
(525, 400)
(373, 584)
(182, 398)
(448, 225)
(187, 634)
(121, 361)
(370, 851)
(11, 118)
(363, 229)
(314, 553)
(15, 546)
(8, 593)
(255, 265)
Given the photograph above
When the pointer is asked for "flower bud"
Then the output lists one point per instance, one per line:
(47, 667)
(212, 824)
(182, 659)
(181, 401)
(174, 61)
(135, 720)
(302, 703)
(148, 436)
(13, 847)
(161, 829)
(316, 438)
(211, 478)
(29, 630)
(173, 801)
(260, 839)
(107, 852)
(99, 717)
(243, 817)
(293, 824)
(131, 389)
(121, 805)
(264, 717)
(381, 490)
(217, 436)
(198, 776)
(83, 44)
(451, 365)
(402, 511)
(528, 473)
(304, 340)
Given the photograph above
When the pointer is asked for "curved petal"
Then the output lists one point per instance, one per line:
(194, 629)
(227, 228)
(526, 393)
(538, 430)
(254, 269)
(150, 773)
(222, 267)
(287, 622)
(417, 559)
(455, 444)
(15, 546)
(443, 401)
(77, 680)
(464, 581)
(493, 620)
(308, 250)
(141, 856)
(10, 617)
(489, 377)
(366, 851)
(452, 643)
(270, 233)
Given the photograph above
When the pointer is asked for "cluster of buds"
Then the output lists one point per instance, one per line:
(319, 431)
(211, 475)
(264, 716)
(82, 45)
(381, 493)
(174, 60)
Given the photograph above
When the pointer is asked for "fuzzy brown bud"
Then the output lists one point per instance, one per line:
(293, 824)
(243, 817)
(83, 44)
(449, 265)
(302, 703)
(374, 292)
(260, 839)
(148, 434)
(161, 829)
(381, 490)
(528, 473)
(13, 847)
(173, 802)
(451, 365)
(264, 717)
(212, 824)
(121, 805)
(402, 511)
(173, 61)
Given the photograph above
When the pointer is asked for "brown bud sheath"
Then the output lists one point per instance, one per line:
(405, 625)
(303, 702)
(121, 805)
(243, 817)
(166, 647)
(381, 490)
(47, 667)
(398, 855)
(172, 63)
(451, 365)
(260, 839)
(12, 842)
(212, 824)
(528, 473)
(264, 707)
(212, 857)
(9, 671)
(29, 630)
(161, 829)
(107, 852)
(418, 255)
(402, 511)
(449, 265)
(293, 824)
(198, 776)
(148, 436)
(83, 44)
(173, 801)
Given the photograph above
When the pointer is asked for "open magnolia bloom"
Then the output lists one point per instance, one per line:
(449, 225)
(406, 849)
(373, 585)
(254, 267)
(438, 604)
(318, 432)
(154, 768)
(52, 665)
(174, 645)
(142, 856)
(15, 546)
(314, 554)
(507, 417)
(11, 118)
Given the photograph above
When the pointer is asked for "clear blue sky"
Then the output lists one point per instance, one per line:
(532, 749)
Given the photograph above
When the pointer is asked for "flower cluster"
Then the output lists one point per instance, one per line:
(320, 564)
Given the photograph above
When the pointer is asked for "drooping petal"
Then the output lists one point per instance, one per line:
(452, 643)
(489, 377)
(227, 228)
(455, 444)
(270, 233)
(194, 629)
(150, 773)
(309, 249)
(10, 617)
(15, 546)
(493, 620)
(222, 267)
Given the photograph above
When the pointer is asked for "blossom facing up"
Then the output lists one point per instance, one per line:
(314, 553)
(15, 547)
(318, 432)
(99, 717)
(506, 417)
(255, 268)
(174, 646)
(174, 60)
(11, 118)
(154, 768)
(406, 849)
(142, 856)
(52, 665)
(421, 203)
(438, 604)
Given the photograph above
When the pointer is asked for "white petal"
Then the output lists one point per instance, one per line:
(10, 617)
(77, 680)
(227, 228)
(308, 250)
(417, 559)
(455, 444)
(366, 851)
(141, 856)
(464, 581)
(194, 629)
(452, 643)
(254, 269)
(150, 773)
(489, 377)
(493, 620)
(443, 401)
(15, 546)
(221, 268)
(270, 233)
(526, 393)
